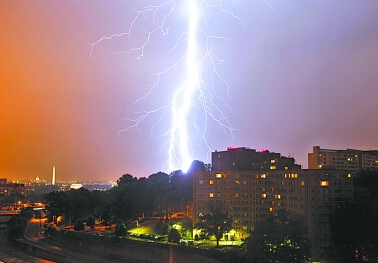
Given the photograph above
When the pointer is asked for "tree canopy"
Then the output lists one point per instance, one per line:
(217, 222)
(157, 195)
(354, 229)
(281, 238)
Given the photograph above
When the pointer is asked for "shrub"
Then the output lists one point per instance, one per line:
(120, 229)
(79, 225)
(174, 236)
(90, 221)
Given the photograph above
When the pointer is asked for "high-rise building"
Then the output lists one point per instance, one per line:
(349, 159)
(252, 196)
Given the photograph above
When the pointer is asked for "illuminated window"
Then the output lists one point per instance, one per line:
(263, 176)
(271, 209)
(286, 167)
(323, 183)
(272, 161)
(278, 197)
(237, 195)
(349, 175)
(302, 183)
(211, 182)
(273, 167)
(233, 163)
(263, 195)
(211, 194)
(237, 182)
(218, 175)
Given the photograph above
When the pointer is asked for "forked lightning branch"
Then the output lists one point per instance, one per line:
(196, 92)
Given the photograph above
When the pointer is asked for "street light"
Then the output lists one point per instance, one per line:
(137, 226)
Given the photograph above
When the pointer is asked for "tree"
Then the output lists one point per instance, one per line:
(120, 229)
(196, 166)
(90, 221)
(367, 179)
(281, 238)
(216, 222)
(79, 225)
(78, 203)
(126, 180)
(354, 229)
(174, 236)
(56, 204)
(17, 224)
(105, 209)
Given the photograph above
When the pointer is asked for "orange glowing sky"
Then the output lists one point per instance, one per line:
(301, 76)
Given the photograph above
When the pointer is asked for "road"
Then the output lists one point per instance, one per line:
(9, 253)
(67, 253)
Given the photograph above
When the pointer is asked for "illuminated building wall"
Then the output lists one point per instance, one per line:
(9, 188)
(349, 159)
(245, 159)
(252, 196)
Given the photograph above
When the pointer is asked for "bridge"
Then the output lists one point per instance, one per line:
(5, 216)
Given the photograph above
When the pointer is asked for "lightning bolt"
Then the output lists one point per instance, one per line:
(195, 91)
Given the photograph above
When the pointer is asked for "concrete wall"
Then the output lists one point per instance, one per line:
(133, 249)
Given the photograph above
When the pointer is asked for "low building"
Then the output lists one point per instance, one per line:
(349, 159)
(10, 188)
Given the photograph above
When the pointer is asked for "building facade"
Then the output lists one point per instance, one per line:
(252, 196)
(246, 159)
(9, 188)
(349, 159)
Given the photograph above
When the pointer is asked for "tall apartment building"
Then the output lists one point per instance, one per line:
(349, 159)
(251, 196)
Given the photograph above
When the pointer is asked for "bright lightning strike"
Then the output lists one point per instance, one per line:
(195, 91)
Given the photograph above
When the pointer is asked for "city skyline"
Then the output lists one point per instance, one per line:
(299, 75)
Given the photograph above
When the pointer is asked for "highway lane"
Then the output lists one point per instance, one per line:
(70, 253)
(12, 254)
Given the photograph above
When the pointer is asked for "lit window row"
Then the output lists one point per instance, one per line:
(263, 176)
(291, 175)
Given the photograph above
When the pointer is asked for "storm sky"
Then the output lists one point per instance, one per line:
(299, 74)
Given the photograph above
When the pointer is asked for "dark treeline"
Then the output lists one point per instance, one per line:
(354, 230)
(158, 195)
